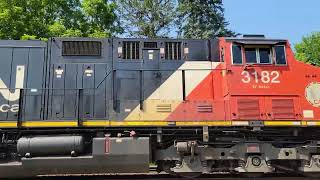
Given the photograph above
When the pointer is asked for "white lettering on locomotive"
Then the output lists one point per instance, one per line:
(15, 95)
(6, 108)
(264, 77)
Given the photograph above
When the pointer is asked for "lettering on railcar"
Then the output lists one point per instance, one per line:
(12, 95)
(264, 77)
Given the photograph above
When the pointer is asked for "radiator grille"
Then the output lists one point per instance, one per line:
(150, 45)
(81, 48)
(204, 108)
(173, 50)
(130, 50)
(283, 109)
(163, 108)
(248, 109)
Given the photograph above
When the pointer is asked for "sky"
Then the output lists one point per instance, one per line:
(285, 19)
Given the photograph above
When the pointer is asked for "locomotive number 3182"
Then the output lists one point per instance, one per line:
(263, 76)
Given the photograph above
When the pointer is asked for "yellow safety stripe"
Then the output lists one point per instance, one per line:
(138, 123)
(313, 123)
(8, 124)
(282, 123)
(49, 124)
(112, 123)
(203, 123)
(96, 123)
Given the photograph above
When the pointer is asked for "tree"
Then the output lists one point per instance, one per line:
(309, 49)
(148, 18)
(201, 19)
(101, 17)
(46, 18)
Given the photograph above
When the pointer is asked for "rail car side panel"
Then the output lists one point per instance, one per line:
(22, 75)
(78, 80)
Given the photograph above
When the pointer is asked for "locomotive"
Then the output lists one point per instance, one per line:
(227, 105)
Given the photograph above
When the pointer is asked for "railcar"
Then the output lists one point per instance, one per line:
(232, 105)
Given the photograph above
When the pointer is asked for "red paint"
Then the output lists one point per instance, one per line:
(107, 145)
(232, 99)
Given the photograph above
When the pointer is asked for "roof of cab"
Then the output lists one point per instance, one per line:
(256, 41)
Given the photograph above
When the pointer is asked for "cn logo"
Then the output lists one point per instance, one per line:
(313, 94)
(6, 93)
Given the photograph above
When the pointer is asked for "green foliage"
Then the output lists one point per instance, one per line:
(56, 29)
(67, 18)
(72, 33)
(309, 49)
(41, 19)
(200, 19)
(28, 37)
(148, 18)
(101, 17)
(99, 34)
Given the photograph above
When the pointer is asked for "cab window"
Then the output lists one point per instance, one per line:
(264, 55)
(258, 55)
(280, 55)
(251, 55)
(236, 54)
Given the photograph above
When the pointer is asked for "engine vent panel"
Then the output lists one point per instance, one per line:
(283, 109)
(81, 48)
(248, 109)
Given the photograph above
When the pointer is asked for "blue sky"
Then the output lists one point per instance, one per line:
(286, 19)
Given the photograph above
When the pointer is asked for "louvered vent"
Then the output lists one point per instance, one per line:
(204, 108)
(81, 48)
(173, 50)
(163, 108)
(130, 49)
(248, 109)
(150, 45)
(283, 109)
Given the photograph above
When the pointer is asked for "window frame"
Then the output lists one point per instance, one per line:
(242, 54)
(257, 48)
(271, 57)
(275, 55)
(257, 55)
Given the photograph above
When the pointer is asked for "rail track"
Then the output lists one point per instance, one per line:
(154, 175)
(168, 177)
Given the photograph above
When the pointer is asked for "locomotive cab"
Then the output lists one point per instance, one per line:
(262, 82)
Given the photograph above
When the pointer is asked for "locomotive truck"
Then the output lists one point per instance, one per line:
(226, 105)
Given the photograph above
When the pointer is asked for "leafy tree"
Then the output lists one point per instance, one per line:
(47, 18)
(200, 19)
(148, 18)
(309, 49)
(101, 17)
(28, 37)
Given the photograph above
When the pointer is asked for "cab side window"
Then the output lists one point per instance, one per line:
(251, 55)
(265, 55)
(260, 55)
(280, 55)
(236, 54)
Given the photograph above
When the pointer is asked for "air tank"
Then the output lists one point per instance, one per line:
(50, 146)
